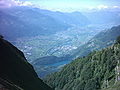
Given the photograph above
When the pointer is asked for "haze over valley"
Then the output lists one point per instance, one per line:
(54, 37)
(41, 33)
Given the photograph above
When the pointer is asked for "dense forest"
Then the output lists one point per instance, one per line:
(97, 71)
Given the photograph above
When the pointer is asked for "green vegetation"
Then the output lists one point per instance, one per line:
(102, 40)
(15, 68)
(98, 70)
(70, 42)
(118, 40)
(114, 87)
(60, 44)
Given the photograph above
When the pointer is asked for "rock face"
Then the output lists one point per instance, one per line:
(15, 70)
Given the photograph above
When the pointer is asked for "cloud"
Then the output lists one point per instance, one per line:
(7, 3)
(10, 3)
(116, 7)
(25, 3)
(102, 6)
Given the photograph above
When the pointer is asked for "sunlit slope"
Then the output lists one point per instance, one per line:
(101, 40)
(98, 70)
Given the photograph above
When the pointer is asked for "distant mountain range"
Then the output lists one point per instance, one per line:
(22, 22)
(19, 22)
(103, 17)
(16, 22)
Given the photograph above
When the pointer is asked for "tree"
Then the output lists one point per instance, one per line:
(118, 40)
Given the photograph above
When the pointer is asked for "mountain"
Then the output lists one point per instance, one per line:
(97, 71)
(41, 33)
(59, 49)
(103, 17)
(99, 41)
(15, 72)
(16, 22)
(72, 18)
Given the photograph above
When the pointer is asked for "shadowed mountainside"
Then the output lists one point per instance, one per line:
(15, 68)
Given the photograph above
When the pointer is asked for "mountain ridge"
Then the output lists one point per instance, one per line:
(35, 21)
(99, 41)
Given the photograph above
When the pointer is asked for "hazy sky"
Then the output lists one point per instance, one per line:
(66, 5)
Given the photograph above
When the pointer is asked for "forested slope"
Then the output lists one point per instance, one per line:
(98, 70)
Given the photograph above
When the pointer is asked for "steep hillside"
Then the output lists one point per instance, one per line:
(98, 70)
(101, 40)
(15, 68)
